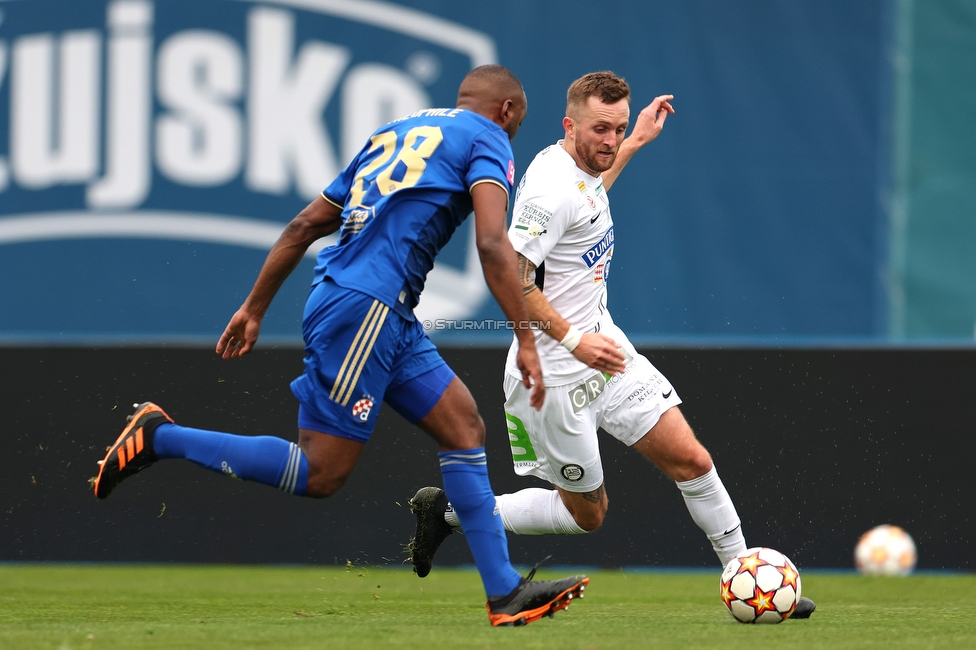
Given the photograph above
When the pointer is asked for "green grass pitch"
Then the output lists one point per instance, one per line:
(212, 607)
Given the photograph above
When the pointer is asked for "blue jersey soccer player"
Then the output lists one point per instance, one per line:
(395, 206)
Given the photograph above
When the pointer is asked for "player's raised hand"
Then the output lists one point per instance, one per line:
(647, 127)
(239, 336)
(600, 352)
(650, 121)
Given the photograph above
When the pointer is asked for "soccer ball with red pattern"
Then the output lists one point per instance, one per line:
(760, 585)
(885, 551)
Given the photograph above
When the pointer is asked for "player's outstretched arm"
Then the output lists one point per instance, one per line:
(594, 349)
(318, 219)
(648, 126)
(498, 261)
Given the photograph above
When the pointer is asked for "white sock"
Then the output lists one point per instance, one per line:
(711, 507)
(532, 511)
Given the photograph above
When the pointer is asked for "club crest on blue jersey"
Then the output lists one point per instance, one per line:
(362, 408)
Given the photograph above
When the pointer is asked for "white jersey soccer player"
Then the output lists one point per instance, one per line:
(562, 226)
(564, 236)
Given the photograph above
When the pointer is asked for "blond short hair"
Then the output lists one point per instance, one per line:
(606, 86)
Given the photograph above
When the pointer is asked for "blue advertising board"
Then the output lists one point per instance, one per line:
(151, 152)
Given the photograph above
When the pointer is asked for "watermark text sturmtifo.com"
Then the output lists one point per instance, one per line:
(441, 324)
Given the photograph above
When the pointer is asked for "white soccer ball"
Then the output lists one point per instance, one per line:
(885, 551)
(760, 585)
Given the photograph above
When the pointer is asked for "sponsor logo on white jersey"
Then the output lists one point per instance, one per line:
(599, 249)
(592, 387)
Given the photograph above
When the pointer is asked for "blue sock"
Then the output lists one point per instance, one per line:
(265, 459)
(466, 483)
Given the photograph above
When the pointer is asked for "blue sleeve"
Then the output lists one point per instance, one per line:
(338, 190)
(492, 159)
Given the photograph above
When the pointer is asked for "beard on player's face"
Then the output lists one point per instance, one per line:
(589, 155)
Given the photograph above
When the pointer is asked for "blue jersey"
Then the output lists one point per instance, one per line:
(404, 195)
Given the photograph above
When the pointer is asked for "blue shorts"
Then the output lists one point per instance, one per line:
(359, 353)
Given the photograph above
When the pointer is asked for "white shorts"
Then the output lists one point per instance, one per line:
(559, 442)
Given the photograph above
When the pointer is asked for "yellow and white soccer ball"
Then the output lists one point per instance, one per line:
(760, 585)
(885, 551)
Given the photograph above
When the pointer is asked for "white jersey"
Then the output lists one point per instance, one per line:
(561, 223)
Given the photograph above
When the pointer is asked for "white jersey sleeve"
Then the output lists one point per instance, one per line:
(541, 215)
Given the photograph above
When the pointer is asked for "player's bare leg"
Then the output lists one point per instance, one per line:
(672, 446)
(331, 460)
(454, 422)
(587, 508)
